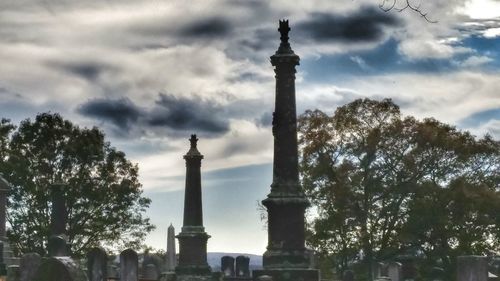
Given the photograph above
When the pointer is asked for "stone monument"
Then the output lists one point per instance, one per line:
(171, 254)
(193, 238)
(6, 253)
(57, 246)
(286, 257)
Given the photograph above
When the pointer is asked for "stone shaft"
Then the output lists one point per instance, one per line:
(59, 214)
(171, 258)
(4, 189)
(193, 238)
(286, 203)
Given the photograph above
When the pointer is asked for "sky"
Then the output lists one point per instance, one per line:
(150, 73)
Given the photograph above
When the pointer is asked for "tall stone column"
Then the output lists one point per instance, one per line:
(286, 257)
(193, 238)
(5, 253)
(57, 245)
(171, 257)
(4, 190)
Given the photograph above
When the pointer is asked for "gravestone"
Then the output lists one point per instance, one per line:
(242, 266)
(379, 269)
(227, 266)
(348, 275)
(13, 273)
(472, 268)
(156, 260)
(150, 272)
(113, 272)
(29, 265)
(59, 269)
(408, 268)
(437, 274)
(97, 265)
(129, 264)
(394, 271)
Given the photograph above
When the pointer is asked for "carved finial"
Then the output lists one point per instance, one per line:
(193, 141)
(284, 29)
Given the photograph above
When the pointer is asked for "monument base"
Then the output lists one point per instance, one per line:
(215, 276)
(288, 274)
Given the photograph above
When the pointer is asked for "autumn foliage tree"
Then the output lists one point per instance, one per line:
(384, 186)
(103, 194)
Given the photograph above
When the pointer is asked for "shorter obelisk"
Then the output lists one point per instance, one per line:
(171, 254)
(5, 249)
(58, 244)
(193, 238)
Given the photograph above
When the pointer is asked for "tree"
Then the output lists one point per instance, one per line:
(376, 179)
(103, 194)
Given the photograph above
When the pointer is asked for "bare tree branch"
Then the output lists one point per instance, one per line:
(389, 5)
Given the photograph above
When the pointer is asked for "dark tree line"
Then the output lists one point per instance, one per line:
(383, 186)
(104, 197)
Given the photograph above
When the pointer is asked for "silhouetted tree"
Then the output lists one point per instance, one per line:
(385, 186)
(103, 194)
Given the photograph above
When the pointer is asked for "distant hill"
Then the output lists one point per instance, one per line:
(213, 259)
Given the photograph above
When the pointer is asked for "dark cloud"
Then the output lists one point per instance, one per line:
(181, 113)
(364, 25)
(122, 113)
(174, 115)
(214, 27)
(88, 70)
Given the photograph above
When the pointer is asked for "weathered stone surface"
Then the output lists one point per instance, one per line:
(227, 266)
(59, 269)
(348, 275)
(472, 268)
(150, 272)
(394, 271)
(113, 271)
(57, 246)
(129, 264)
(242, 266)
(97, 265)
(286, 257)
(29, 266)
(154, 259)
(171, 253)
(437, 274)
(193, 238)
(13, 273)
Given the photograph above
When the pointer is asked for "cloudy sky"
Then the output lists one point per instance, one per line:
(150, 73)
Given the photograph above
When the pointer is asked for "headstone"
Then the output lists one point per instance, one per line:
(57, 246)
(150, 272)
(242, 266)
(408, 269)
(472, 268)
(348, 275)
(154, 259)
(13, 273)
(394, 271)
(113, 272)
(59, 269)
(495, 266)
(379, 270)
(129, 265)
(29, 265)
(227, 266)
(97, 265)
(265, 278)
(437, 274)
